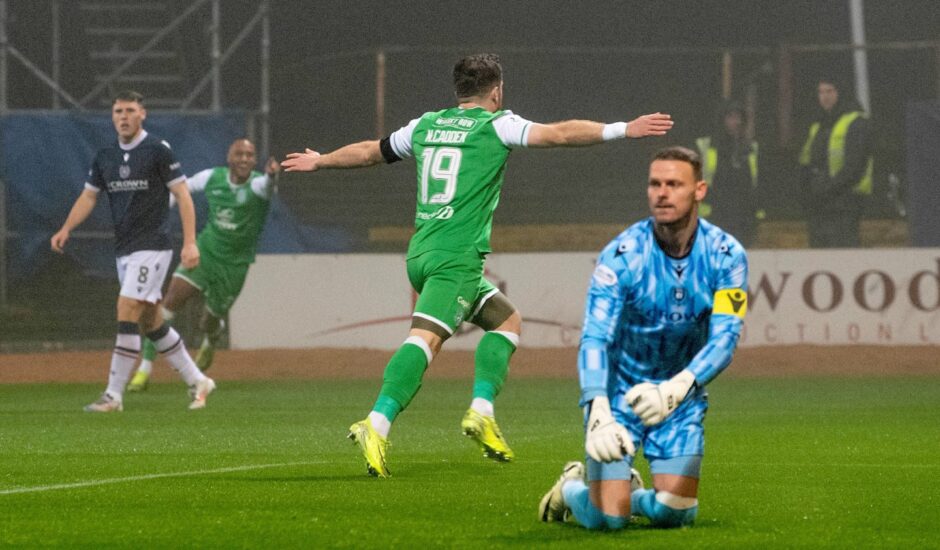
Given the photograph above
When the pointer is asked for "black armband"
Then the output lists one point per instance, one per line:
(385, 145)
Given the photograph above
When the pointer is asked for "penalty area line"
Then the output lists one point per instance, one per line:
(128, 479)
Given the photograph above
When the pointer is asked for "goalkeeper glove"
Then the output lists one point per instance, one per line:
(654, 402)
(606, 440)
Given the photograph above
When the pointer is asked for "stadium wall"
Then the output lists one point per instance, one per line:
(838, 297)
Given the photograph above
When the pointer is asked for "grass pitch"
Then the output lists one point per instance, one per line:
(797, 463)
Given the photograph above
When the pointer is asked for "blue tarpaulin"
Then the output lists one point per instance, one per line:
(44, 160)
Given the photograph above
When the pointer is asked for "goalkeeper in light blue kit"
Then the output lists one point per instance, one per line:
(664, 312)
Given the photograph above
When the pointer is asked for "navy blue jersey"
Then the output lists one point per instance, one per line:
(137, 178)
(649, 316)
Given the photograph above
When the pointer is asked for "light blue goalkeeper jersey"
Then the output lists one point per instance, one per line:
(649, 316)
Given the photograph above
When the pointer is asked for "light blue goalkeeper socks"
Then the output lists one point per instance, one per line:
(578, 499)
(643, 502)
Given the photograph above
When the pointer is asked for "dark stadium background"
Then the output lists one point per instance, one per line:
(601, 60)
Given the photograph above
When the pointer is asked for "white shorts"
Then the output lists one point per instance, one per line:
(142, 274)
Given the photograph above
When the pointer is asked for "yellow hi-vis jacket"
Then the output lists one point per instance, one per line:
(837, 150)
(709, 154)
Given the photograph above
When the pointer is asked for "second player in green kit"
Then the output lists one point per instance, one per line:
(461, 156)
(239, 201)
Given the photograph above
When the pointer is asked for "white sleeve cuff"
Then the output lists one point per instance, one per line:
(177, 181)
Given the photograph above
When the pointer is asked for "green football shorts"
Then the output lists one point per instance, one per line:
(219, 282)
(449, 285)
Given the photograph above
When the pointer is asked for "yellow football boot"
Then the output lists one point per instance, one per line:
(373, 447)
(139, 382)
(485, 432)
(205, 355)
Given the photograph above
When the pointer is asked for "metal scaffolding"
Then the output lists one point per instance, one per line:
(134, 59)
(136, 65)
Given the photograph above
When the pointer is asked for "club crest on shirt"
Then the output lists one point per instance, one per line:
(124, 171)
(678, 294)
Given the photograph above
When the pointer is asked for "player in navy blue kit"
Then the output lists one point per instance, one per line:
(664, 312)
(138, 173)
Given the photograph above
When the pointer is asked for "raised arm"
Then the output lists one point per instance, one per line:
(580, 133)
(189, 255)
(265, 185)
(354, 155)
(79, 213)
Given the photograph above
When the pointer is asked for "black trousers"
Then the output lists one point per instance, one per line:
(835, 225)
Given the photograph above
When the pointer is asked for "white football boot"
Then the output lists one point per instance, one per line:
(105, 404)
(199, 392)
(552, 506)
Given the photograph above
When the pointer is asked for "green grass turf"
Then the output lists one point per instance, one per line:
(849, 463)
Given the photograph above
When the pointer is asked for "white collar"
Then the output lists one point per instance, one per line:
(135, 142)
(232, 184)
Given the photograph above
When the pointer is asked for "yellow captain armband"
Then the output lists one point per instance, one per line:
(730, 301)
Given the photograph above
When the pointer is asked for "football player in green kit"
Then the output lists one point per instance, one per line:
(461, 155)
(239, 199)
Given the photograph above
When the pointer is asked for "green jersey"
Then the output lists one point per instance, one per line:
(236, 214)
(461, 158)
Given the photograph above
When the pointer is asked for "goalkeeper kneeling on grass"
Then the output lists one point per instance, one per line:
(664, 312)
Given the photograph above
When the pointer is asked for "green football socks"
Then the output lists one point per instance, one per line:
(402, 378)
(149, 351)
(492, 364)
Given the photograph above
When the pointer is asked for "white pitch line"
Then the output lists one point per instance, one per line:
(96, 482)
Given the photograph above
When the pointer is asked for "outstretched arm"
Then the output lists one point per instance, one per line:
(580, 133)
(79, 213)
(354, 155)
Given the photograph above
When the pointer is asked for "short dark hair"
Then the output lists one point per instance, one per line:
(128, 95)
(476, 74)
(682, 154)
(834, 81)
